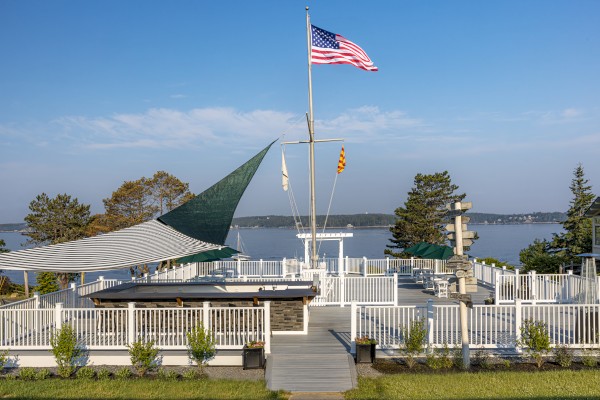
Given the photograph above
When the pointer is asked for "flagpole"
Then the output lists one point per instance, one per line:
(311, 134)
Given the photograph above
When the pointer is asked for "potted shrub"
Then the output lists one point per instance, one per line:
(489, 300)
(253, 355)
(365, 349)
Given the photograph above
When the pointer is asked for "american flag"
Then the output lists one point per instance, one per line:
(329, 48)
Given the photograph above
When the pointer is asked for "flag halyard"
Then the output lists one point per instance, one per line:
(330, 48)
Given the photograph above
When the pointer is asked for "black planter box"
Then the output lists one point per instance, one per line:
(253, 357)
(365, 353)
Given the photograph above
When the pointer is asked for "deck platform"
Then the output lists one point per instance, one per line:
(317, 362)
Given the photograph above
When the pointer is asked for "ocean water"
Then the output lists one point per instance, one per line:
(503, 242)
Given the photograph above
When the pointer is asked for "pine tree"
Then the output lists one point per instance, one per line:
(46, 282)
(577, 237)
(57, 220)
(3, 248)
(422, 217)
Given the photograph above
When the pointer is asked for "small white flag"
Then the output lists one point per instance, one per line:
(284, 174)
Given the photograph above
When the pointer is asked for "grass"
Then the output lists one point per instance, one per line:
(136, 389)
(482, 385)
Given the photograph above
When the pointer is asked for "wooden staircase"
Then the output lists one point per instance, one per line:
(317, 362)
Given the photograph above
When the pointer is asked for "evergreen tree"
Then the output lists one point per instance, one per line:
(46, 282)
(423, 216)
(57, 220)
(577, 237)
(3, 248)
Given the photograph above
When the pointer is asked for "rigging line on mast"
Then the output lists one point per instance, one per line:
(329, 206)
(292, 199)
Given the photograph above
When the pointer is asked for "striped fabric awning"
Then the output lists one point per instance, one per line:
(145, 243)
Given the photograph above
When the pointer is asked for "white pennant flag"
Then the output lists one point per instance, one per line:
(284, 173)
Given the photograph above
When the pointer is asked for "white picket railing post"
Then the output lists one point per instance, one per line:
(102, 282)
(395, 288)
(73, 294)
(206, 315)
(267, 327)
(353, 320)
(58, 316)
(570, 284)
(260, 267)
(497, 286)
(36, 300)
(518, 322)
(533, 287)
(387, 265)
(346, 265)
(365, 272)
(517, 286)
(342, 290)
(283, 268)
(131, 329)
(429, 322)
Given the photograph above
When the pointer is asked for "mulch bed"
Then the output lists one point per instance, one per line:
(397, 366)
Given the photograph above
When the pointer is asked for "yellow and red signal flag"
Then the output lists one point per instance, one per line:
(342, 161)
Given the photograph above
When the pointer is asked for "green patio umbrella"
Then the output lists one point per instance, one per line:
(211, 255)
(430, 251)
(417, 248)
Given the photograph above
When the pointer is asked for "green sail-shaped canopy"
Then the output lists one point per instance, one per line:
(430, 251)
(207, 217)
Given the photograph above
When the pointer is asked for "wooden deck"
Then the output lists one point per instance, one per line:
(411, 293)
(317, 362)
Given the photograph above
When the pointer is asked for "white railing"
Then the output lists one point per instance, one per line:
(115, 328)
(342, 290)
(71, 297)
(490, 326)
(540, 288)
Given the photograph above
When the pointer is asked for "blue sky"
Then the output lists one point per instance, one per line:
(505, 95)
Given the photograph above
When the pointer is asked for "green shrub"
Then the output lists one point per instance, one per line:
(10, 377)
(85, 373)
(535, 340)
(439, 358)
(144, 356)
(103, 374)
(167, 374)
(191, 374)
(201, 345)
(563, 356)
(3, 359)
(457, 357)
(415, 336)
(506, 363)
(589, 358)
(66, 349)
(27, 374)
(42, 374)
(482, 359)
(123, 373)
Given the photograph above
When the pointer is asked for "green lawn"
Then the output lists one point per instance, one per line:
(583, 384)
(135, 389)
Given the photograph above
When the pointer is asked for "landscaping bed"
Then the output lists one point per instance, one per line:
(398, 366)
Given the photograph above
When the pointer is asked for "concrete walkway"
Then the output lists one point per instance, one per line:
(317, 362)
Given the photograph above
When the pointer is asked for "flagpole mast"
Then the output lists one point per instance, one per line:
(311, 133)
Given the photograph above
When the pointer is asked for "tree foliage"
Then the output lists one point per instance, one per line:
(547, 256)
(3, 248)
(577, 237)
(423, 215)
(539, 257)
(57, 220)
(135, 202)
(46, 282)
